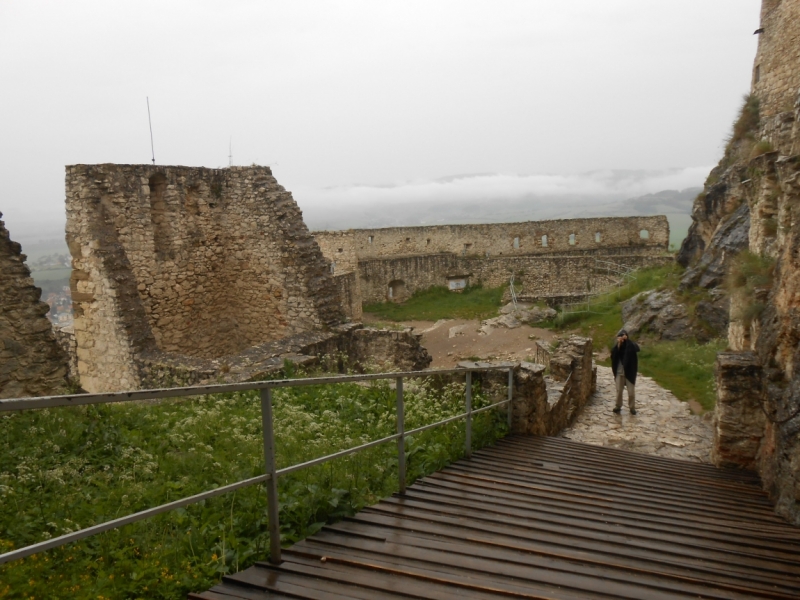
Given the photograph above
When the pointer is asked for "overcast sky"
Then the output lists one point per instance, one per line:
(335, 94)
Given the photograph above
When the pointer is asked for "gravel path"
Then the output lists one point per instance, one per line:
(662, 426)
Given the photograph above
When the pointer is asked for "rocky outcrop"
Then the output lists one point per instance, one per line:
(31, 362)
(658, 313)
(512, 316)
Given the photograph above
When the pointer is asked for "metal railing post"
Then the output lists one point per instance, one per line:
(510, 396)
(272, 482)
(401, 441)
(468, 441)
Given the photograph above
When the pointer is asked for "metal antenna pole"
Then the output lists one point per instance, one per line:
(150, 122)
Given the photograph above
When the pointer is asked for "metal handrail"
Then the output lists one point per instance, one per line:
(270, 477)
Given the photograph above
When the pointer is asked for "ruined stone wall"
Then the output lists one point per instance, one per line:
(31, 361)
(542, 277)
(349, 295)
(500, 239)
(776, 69)
(188, 261)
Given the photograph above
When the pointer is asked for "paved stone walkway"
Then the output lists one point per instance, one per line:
(662, 426)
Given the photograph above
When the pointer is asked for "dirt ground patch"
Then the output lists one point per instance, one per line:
(452, 340)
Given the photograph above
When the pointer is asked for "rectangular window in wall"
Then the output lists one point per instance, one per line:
(516, 242)
(370, 239)
(597, 237)
(456, 285)
(544, 241)
(571, 239)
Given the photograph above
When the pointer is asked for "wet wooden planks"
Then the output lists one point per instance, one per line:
(547, 518)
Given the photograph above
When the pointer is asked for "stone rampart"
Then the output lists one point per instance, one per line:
(498, 239)
(549, 259)
(31, 361)
(189, 262)
(542, 277)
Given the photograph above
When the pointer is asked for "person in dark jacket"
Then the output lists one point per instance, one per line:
(625, 365)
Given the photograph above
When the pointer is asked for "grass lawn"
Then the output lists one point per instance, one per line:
(440, 303)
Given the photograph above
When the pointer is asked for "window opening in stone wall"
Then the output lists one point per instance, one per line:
(757, 74)
(544, 241)
(597, 237)
(408, 239)
(162, 228)
(516, 242)
(456, 285)
(644, 234)
(333, 266)
(428, 242)
(370, 239)
(466, 248)
(340, 250)
(571, 239)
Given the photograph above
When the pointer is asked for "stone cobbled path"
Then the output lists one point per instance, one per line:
(662, 426)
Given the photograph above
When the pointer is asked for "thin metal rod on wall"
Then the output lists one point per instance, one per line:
(401, 441)
(150, 122)
(272, 484)
(468, 441)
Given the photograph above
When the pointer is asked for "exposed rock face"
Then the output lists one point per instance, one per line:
(192, 262)
(31, 362)
(759, 388)
(657, 313)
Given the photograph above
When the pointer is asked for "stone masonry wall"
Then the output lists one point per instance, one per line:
(776, 69)
(31, 362)
(499, 239)
(189, 261)
(544, 277)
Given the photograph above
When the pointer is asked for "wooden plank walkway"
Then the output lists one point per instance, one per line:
(547, 518)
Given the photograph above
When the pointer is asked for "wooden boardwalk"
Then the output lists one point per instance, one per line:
(547, 518)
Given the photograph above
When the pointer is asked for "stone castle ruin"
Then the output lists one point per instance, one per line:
(31, 362)
(183, 274)
(549, 260)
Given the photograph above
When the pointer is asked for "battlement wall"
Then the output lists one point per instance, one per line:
(346, 248)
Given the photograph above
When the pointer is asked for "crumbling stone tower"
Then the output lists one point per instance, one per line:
(182, 261)
(31, 362)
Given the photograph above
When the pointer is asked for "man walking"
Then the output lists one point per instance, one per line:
(625, 364)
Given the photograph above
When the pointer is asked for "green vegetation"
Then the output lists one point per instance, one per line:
(749, 275)
(760, 148)
(747, 121)
(686, 368)
(67, 468)
(436, 303)
(605, 316)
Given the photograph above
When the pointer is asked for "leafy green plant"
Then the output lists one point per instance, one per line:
(68, 468)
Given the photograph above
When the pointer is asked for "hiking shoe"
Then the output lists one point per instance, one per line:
(617, 410)
(633, 411)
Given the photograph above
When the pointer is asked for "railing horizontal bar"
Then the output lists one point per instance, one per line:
(200, 390)
(144, 514)
(323, 459)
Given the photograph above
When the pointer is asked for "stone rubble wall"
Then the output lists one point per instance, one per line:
(65, 336)
(187, 261)
(31, 361)
(545, 405)
(536, 277)
(496, 239)
(349, 288)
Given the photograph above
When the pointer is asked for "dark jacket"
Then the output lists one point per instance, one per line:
(627, 354)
